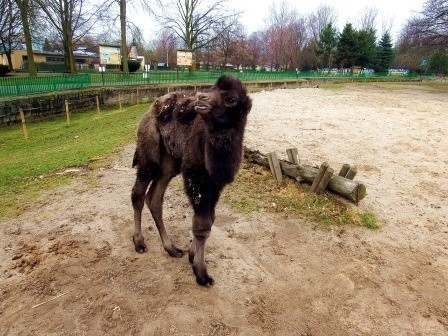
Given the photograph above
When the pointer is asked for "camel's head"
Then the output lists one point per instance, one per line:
(225, 104)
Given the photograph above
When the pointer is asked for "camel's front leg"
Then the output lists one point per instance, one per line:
(196, 254)
(203, 194)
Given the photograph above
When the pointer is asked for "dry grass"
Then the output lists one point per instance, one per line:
(255, 190)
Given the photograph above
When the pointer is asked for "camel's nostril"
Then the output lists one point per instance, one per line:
(202, 96)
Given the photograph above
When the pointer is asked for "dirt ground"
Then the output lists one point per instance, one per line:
(68, 266)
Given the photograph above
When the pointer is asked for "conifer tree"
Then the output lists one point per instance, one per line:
(385, 55)
(327, 44)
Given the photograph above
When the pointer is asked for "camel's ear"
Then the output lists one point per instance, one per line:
(228, 83)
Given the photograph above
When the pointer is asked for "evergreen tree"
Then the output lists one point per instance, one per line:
(366, 48)
(347, 47)
(326, 45)
(385, 54)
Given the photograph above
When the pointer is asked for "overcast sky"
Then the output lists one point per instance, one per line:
(347, 10)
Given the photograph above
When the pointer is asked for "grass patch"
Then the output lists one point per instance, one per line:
(53, 145)
(255, 190)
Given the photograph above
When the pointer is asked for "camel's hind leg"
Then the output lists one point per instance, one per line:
(138, 201)
(154, 201)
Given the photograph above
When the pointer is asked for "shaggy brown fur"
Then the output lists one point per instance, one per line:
(199, 135)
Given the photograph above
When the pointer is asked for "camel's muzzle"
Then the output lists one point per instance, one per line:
(203, 105)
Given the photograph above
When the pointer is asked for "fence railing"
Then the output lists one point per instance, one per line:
(18, 86)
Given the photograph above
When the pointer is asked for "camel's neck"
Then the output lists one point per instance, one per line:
(223, 154)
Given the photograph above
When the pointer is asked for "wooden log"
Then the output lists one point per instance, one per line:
(351, 190)
(320, 173)
(274, 165)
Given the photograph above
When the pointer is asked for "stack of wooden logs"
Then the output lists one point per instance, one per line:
(321, 178)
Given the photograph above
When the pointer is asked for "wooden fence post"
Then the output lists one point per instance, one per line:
(22, 118)
(136, 97)
(274, 164)
(323, 167)
(97, 104)
(324, 180)
(348, 171)
(119, 100)
(344, 169)
(293, 155)
(351, 173)
(67, 112)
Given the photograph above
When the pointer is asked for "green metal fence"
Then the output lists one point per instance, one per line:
(18, 86)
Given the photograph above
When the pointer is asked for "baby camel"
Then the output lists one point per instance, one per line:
(197, 134)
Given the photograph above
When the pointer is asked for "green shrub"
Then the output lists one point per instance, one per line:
(4, 69)
(133, 65)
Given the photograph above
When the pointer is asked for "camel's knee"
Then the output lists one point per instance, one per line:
(138, 199)
(201, 234)
(138, 192)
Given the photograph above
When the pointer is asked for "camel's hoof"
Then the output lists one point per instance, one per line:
(175, 252)
(140, 245)
(205, 280)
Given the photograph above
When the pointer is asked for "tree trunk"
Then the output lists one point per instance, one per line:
(24, 9)
(123, 48)
(68, 39)
(9, 58)
(351, 190)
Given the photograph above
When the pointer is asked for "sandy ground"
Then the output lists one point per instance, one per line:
(68, 266)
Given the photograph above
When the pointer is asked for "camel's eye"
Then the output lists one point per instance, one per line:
(230, 101)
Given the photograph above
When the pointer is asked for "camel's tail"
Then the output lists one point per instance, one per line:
(135, 159)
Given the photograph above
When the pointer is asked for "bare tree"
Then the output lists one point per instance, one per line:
(423, 34)
(321, 18)
(386, 25)
(285, 36)
(367, 18)
(196, 22)
(227, 41)
(255, 50)
(71, 19)
(432, 24)
(10, 28)
(165, 46)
